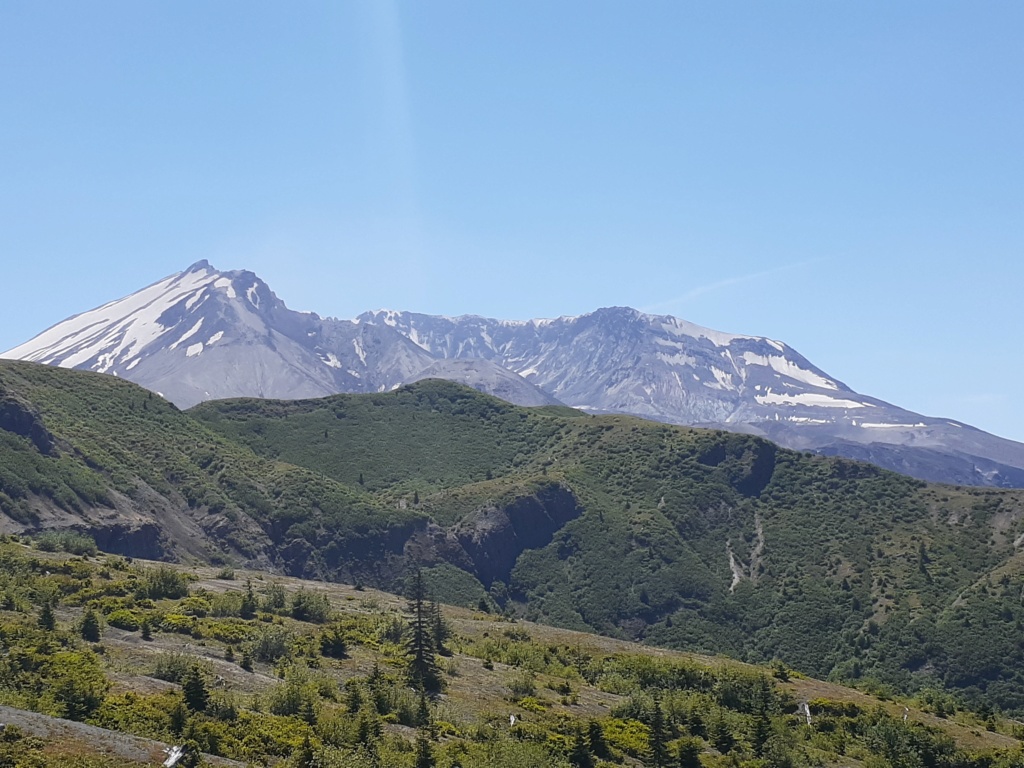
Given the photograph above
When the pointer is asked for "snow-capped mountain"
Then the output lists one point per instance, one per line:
(204, 334)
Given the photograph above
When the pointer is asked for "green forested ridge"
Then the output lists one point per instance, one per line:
(276, 671)
(680, 537)
(844, 569)
(119, 450)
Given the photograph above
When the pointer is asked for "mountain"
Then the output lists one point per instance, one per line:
(204, 335)
(619, 360)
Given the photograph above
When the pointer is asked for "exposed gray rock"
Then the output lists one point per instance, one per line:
(204, 334)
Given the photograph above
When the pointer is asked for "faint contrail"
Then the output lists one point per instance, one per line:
(700, 290)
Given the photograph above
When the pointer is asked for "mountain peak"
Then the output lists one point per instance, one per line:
(200, 266)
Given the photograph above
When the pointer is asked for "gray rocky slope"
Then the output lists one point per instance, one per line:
(204, 334)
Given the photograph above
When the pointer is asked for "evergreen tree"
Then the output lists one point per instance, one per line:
(193, 687)
(193, 755)
(423, 711)
(424, 754)
(249, 602)
(439, 630)
(147, 631)
(305, 757)
(689, 753)
(579, 753)
(179, 717)
(353, 697)
(720, 735)
(761, 725)
(658, 739)
(47, 620)
(595, 737)
(332, 643)
(90, 626)
(422, 669)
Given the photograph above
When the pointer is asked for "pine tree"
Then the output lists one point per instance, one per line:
(720, 735)
(353, 697)
(423, 672)
(305, 757)
(423, 711)
(689, 753)
(179, 717)
(47, 620)
(249, 602)
(194, 689)
(90, 626)
(424, 754)
(579, 754)
(658, 738)
(595, 737)
(439, 629)
(761, 727)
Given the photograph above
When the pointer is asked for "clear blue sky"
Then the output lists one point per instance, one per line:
(845, 176)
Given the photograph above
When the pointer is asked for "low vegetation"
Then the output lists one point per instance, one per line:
(280, 672)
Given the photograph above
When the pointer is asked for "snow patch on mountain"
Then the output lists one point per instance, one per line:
(117, 331)
(808, 398)
(188, 334)
(789, 369)
(226, 284)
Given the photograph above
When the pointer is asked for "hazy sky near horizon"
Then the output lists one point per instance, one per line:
(846, 177)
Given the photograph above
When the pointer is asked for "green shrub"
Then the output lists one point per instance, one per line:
(126, 619)
(162, 582)
(66, 541)
(310, 606)
(176, 622)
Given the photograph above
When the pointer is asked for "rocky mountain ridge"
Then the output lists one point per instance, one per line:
(204, 334)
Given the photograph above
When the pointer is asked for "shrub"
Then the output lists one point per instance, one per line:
(172, 667)
(271, 643)
(66, 541)
(176, 622)
(310, 606)
(126, 619)
(162, 582)
(332, 643)
(195, 606)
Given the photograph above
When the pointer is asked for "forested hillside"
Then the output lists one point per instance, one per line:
(682, 538)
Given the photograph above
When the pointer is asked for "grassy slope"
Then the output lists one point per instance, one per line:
(856, 572)
(577, 680)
